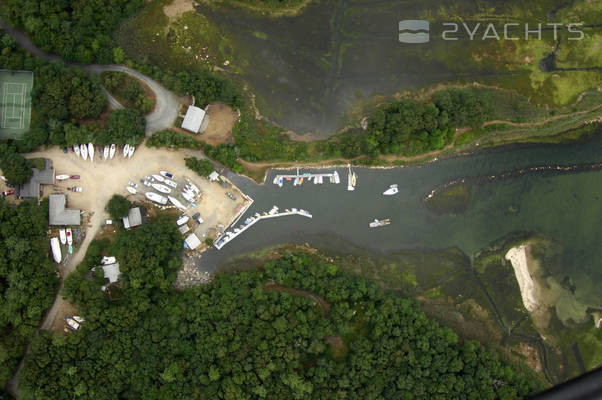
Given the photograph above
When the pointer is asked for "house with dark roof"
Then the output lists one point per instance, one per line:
(59, 214)
(33, 189)
(136, 217)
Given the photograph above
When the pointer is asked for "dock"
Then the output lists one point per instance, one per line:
(298, 178)
(228, 236)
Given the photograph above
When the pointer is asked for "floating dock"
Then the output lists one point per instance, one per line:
(249, 222)
(298, 178)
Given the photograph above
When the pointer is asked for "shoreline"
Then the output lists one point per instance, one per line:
(518, 258)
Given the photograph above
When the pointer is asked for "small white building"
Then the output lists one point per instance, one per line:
(194, 119)
(192, 241)
(214, 176)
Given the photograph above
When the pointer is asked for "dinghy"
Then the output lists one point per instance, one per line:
(69, 237)
(91, 151)
(84, 151)
(62, 177)
(130, 189)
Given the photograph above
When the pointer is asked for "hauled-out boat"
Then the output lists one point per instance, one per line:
(376, 223)
(76, 149)
(391, 190)
(112, 151)
(84, 151)
(63, 236)
(126, 148)
(105, 153)
(91, 151)
(69, 237)
(182, 220)
(157, 198)
(176, 202)
(161, 188)
(158, 178)
(56, 250)
(130, 189)
(188, 196)
(193, 187)
(131, 151)
(171, 183)
(72, 324)
(166, 174)
(62, 177)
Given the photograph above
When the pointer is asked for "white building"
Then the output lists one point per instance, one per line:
(193, 121)
(192, 241)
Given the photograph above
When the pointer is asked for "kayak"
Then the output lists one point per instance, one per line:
(76, 150)
(131, 151)
(105, 154)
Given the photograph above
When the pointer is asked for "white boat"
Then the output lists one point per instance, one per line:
(296, 182)
(72, 324)
(126, 148)
(166, 174)
(280, 181)
(76, 150)
(78, 319)
(376, 223)
(131, 151)
(108, 260)
(157, 198)
(62, 177)
(188, 196)
(105, 153)
(56, 249)
(391, 190)
(350, 180)
(91, 151)
(69, 237)
(130, 189)
(182, 220)
(112, 151)
(176, 202)
(161, 188)
(316, 180)
(171, 183)
(84, 150)
(336, 177)
(194, 188)
(275, 181)
(63, 236)
(158, 178)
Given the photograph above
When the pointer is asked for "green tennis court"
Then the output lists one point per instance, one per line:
(15, 103)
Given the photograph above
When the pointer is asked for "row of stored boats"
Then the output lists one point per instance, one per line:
(87, 151)
(65, 238)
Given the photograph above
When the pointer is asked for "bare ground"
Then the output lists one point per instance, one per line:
(222, 119)
(177, 8)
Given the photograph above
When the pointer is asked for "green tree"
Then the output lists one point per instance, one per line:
(15, 168)
(118, 207)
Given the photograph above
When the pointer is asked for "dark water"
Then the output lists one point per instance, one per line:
(565, 207)
(308, 70)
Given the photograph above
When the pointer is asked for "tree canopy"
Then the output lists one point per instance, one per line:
(15, 167)
(297, 328)
(118, 206)
(200, 166)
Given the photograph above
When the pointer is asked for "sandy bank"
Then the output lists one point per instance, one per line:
(518, 257)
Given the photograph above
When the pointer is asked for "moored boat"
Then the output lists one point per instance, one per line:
(84, 151)
(91, 151)
(161, 188)
(112, 151)
(376, 223)
(69, 237)
(76, 150)
(157, 198)
(105, 153)
(56, 250)
(391, 190)
(63, 236)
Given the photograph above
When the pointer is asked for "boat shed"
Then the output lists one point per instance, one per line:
(111, 272)
(136, 217)
(58, 214)
(193, 119)
(192, 241)
(32, 189)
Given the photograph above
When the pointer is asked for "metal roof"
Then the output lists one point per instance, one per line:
(136, 217)
(58, 214)
(31, 189)
(111, 272)
(193, 119)
(192, 241)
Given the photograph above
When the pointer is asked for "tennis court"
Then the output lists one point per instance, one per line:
(15, 103)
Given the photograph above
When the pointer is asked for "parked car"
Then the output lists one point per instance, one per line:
(8, 192)
(197, 218)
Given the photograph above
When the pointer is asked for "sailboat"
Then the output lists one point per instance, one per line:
(391, 190)
(76, 150)
(105, 154)
(161, 188)
(84, 150)
(112, 151)
(351, 180)
(91, 151)
(176, 203)
(56, 250)
(157, 198)
(131, 151)
(126, 148)
(63, 236)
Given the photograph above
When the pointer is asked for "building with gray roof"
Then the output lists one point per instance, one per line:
(58, 214)
(32, 189)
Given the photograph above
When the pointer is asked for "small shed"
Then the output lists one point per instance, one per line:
(136, 217)
(58, 214)
(193, 119)
(192, 241)
(214, 176)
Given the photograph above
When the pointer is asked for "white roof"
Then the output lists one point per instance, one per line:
(213, 176)
(192, 241)
(111, 272)
(193, 119)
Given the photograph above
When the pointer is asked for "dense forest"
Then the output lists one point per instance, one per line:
(173, 140)
(27, 279)
(200, 166)
(298, 328)
(76, 30)
(127, 90)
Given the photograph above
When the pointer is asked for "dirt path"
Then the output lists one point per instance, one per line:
(322, 304)
(541, 122)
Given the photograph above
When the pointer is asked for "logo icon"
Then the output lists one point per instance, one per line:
(414, 25)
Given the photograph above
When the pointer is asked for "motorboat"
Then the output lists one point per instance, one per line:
(72, 324)
(91, 151)
(63, 236)
(56, 249)
(76, 150)
(62, 177)
(130, 189)
(171, 183)
(280, 182)
(108, 260)
(182, 220)
(69, 237)
(393, 189)
(194, 188)
(161, 188)
(131, 151)
(176, 202)
(188, 196)
(157, 198)
(158, 178)
(336, 177)
(105, 153)
(376, 223)
(126, 149)
(84, 151)
(166, 174)
(351, 180)
(112, 151)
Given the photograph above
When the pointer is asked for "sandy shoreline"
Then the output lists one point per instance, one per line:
(518, 257)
